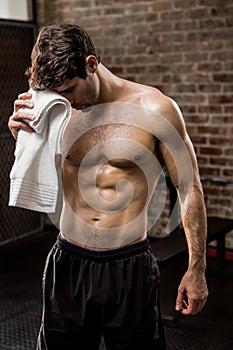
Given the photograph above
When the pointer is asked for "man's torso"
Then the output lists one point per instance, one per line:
(109, 174)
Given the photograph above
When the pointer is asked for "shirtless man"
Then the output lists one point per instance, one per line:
(101, 277)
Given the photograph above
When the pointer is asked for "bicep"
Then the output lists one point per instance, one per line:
(178, 156)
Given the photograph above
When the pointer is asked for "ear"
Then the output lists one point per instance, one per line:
(91, 64)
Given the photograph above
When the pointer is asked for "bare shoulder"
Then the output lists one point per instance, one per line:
(163, 106)
(154, 100)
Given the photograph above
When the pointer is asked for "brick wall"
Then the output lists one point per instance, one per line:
(182, 47)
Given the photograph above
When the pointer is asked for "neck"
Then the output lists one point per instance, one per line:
(110, 85)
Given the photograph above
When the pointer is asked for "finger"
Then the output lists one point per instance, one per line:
(192, 307)
(22, 104)
(25, 96)
(19, 116)
(19, 121)
(200, 305)
(179, 301)
(16, 126)
(21, 125)
(26, 127)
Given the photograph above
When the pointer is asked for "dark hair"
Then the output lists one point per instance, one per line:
(59, 53)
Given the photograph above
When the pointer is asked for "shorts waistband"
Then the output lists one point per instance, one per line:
(122, 252)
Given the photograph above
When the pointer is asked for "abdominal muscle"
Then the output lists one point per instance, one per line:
(90, 235)
(118, 223)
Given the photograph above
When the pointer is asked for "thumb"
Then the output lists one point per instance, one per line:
(179, 300)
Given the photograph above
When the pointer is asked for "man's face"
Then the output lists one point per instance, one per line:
(81, 93)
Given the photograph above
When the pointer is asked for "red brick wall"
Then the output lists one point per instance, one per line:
(182, 47)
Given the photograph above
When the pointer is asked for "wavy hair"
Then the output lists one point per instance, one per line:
(59, 53)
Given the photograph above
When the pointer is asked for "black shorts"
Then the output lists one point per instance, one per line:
(89, 294)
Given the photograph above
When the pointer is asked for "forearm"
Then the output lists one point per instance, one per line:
(193, 291)
(195, 227)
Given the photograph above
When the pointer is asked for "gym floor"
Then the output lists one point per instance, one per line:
(21, 266)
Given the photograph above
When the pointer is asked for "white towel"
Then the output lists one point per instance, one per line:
(35, 178)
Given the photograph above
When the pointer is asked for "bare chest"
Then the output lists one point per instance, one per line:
(118, 144)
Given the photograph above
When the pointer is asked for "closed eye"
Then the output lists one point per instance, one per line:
(67, 91)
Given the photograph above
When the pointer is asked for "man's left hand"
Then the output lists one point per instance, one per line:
(192, 293)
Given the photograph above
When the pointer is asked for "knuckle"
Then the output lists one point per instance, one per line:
(195, 297)
(181, 289)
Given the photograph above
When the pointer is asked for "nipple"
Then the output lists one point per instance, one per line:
(137, 157)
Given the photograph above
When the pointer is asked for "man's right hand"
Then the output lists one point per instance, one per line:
(17, 119)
